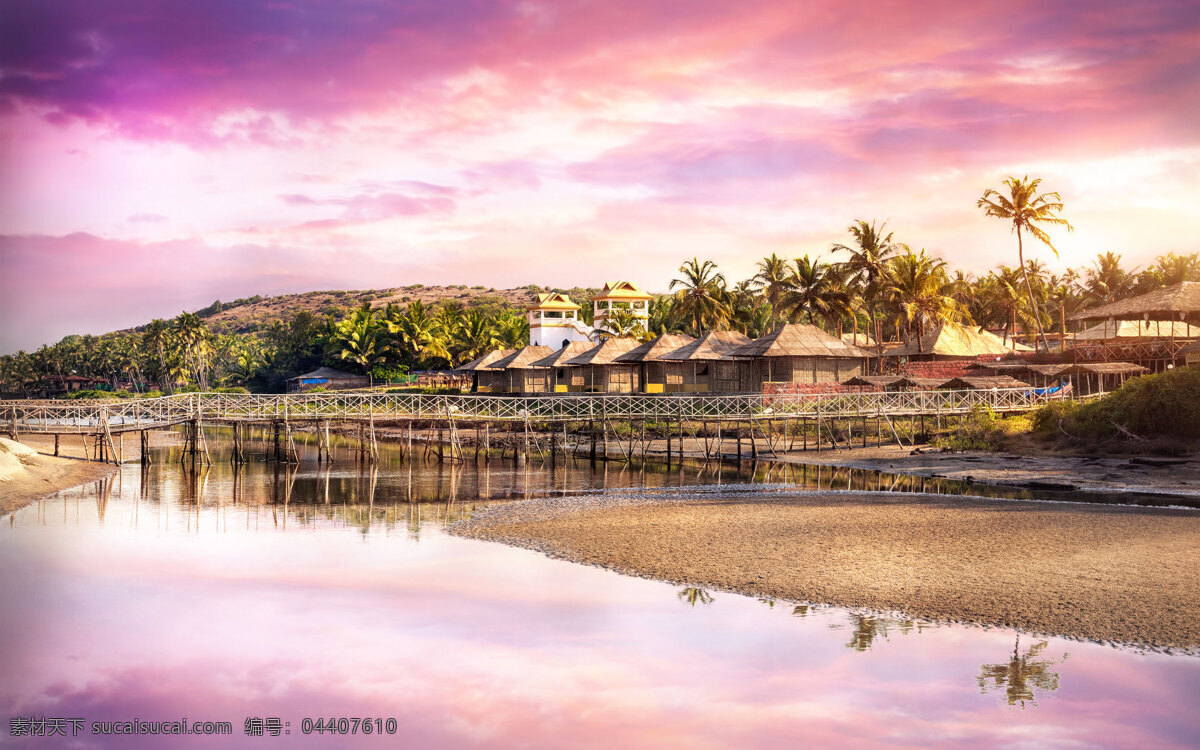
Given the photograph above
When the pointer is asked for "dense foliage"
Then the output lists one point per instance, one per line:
(1165, 405)
(882, 288)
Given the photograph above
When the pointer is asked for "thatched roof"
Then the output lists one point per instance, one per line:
(1016, 365)
(798, 340)
(712, 345)
(1137, 329)
(983, 382)
(1166, 303)
(560, 357)
(655, 348)
(955, 341)
(863, 339)
(605, 352)
(1107, 368)
(522, 359)
(484, 361)
(879, 381)
(1192, 348)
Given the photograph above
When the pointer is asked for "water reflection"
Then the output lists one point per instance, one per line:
(311, 590)
(864, 629)
(694, 596)
(1021, 675)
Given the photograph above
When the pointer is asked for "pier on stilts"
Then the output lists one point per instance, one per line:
(453, 428)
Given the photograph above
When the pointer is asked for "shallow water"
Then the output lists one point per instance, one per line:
(223, 595)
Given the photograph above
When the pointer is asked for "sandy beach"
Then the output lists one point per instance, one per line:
(1107, 573)
(45, 475)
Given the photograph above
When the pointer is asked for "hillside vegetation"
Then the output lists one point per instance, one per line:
(257, 313)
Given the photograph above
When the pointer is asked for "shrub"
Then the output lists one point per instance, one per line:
(1165, 405)
(982, 430)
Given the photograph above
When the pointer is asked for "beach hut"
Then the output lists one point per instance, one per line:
(652, 372)
(705, 365)
(982, 383)
(1098, 377)
(484, 380)
(521, 375)
(893, 382)
(1135, 330)
(596, 371)
(327, 378)
(797, 353)
(560, 378)
(951, 342)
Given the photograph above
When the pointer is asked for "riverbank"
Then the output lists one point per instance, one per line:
(1105, 573)
(35, 476)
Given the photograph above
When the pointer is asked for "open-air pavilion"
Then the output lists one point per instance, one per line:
(1178, 302)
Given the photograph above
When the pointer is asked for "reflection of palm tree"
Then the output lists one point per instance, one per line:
(869, 627)
(801, 610)
(692, 595)
(1021, 675)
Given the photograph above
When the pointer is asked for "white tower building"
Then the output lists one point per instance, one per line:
(554, 321)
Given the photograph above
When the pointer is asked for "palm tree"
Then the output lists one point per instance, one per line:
(1106, 281)
(920, 287)
(1026, 210)
(747, 313)
(359, 340)
(476, 336)
(815, 290)
(701, 295)
(512, 328)
(1021, 675)
(193, 341)
(772, 278)
(415, 333)
(622, 323)
(868, 263)
(663, 317)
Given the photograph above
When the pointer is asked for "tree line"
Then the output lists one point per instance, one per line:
(882, 289)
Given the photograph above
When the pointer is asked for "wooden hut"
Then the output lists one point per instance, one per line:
(704, 365)
(982, 383)
(521, 375)
(1098, 377)
(652, 372)
(484, 380)
(596, 371)
(797, 354)
(893, 382)
(559, 377)
(1135, 330)
(327, 378)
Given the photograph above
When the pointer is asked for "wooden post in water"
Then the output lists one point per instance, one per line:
(56, 443)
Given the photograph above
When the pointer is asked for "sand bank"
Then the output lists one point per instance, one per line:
(25, 477)
(1108, 573)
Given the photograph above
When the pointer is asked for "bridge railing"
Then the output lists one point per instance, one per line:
(134, 414)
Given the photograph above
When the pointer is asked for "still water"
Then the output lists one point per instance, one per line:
(270, 594)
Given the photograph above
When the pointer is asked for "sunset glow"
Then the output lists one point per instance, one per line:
(169, 153)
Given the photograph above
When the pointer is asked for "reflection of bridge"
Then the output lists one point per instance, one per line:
(676, 415)
(88, 417)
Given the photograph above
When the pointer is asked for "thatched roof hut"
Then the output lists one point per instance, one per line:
(653, 373)
(797, 353)
(322, 377)
(1175, 302)
(558, 374)
(598, 371)
(1136, 330)
(948, 341)
(484, 380)
(521, 375)
(1096, 377)
(983, 382)
(705, 365)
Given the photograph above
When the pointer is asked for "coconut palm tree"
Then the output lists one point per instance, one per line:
(1026, 210)
(873, 247)
(920, 288)
(622, 323)
(662, 316)
(816, 291)
(193, 342)
(475, 337)
(415, 333)
(358, 338)
(772, 279)
(701, 295)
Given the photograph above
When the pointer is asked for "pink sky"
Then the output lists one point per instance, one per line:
(158, 155)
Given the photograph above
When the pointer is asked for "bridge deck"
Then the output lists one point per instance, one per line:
(70, 417)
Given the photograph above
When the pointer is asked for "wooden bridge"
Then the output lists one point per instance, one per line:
(129, 415)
